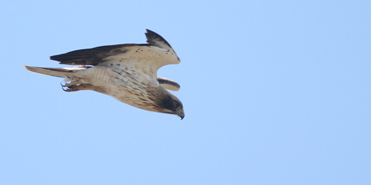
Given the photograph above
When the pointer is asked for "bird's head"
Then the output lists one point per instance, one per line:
(172, 105)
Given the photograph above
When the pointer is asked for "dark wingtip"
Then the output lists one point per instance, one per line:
(149, 31)
(60, 58)
(155, 39)
(151, 35)
(54, 57)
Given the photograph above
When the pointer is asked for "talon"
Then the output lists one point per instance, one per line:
(73, 86)
(72, 83)
(69, 87)
(63, 86)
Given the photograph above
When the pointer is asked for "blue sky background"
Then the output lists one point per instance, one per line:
(275, 92)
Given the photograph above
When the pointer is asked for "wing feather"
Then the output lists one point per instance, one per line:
(157, 40)
(92, 56)
(168, 84)
(145, 58)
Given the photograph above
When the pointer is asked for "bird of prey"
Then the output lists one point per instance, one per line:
(127, 72)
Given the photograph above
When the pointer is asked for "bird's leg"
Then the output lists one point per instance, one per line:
(76, 84)
(72, 81)
(78, 87)
(73, 84)
(73, 87)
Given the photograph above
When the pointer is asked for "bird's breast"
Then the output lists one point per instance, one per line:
(124, 84)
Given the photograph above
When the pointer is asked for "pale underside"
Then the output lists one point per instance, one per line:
(130, 77)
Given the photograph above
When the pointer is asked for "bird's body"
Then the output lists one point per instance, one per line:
(127, 72)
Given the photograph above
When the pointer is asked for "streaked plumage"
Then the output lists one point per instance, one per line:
(127, 72)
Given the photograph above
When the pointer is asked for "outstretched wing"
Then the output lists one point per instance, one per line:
(144, 58)
(92, 56)
(168, 84)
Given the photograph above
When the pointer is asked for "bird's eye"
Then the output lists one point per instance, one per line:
(176, 104)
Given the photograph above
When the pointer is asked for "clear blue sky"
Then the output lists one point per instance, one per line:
(275, 92)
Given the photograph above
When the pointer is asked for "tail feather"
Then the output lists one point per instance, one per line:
(57, 72)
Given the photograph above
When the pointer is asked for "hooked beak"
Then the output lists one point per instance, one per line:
(180, 113)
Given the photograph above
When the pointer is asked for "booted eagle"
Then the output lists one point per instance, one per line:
(127, 72)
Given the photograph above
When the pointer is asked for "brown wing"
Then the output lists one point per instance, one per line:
(94, 56)
(144, 59)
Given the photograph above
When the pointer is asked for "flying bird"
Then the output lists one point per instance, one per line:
(127, 72)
